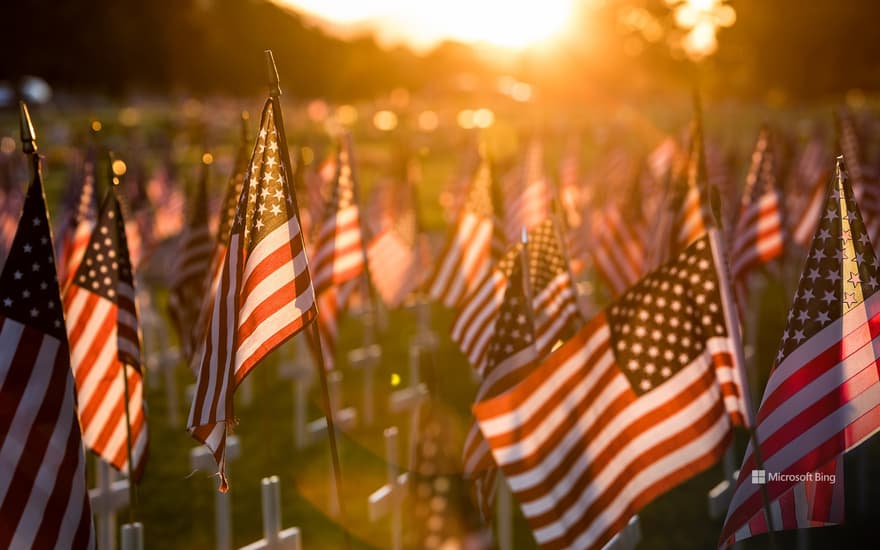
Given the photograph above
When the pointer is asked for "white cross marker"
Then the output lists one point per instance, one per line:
(110, 495)
(273, 536)
(387, 499)
(301, 370)
(367, 359)
(202, 459)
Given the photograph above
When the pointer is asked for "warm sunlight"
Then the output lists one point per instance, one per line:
(509, 24)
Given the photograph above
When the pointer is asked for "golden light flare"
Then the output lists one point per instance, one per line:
(701, 20)
(514, 25)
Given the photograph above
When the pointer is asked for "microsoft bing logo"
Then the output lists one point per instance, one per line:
(759, 477)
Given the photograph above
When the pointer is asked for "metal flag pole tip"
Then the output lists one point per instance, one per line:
(525, 235)
(28, 135)
(274, 82)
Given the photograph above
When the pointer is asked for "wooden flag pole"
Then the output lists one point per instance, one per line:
(275, 95)
(114, 181)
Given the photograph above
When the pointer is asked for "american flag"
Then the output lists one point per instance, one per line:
(265, 294)
(758, 236)
(570, 189)
(823, 395)
(43, 496)
(77, 230)
(397, 246)
(554, 298)
(138, 211)
(467, 256)
(620, 237)
(866, 191)
(11, 199)
(512, 354)
(805, 191)
(190, 274)
(454, 194)
(638, 401)
(339, 252)
(104, 334)
(526, 194)
(224, 227)
(169, 200)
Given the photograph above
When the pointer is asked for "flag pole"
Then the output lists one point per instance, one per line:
(275, 94)
(355, 184)
(132, 494)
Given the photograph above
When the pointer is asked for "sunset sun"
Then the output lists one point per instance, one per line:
(511, 25)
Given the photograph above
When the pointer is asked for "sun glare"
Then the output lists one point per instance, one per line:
(502, 23)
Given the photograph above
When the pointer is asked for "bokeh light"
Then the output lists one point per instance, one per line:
(385, 120)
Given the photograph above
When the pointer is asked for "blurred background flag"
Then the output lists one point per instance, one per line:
(191, 271)
(758, 237)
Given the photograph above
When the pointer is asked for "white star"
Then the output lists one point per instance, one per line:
(275, 209)
(833, 276)
(808, 294)
(824, 234)
(259, 224)
(818, 254)
(35, 267)
(872, 282)
(798, 336)
(279, 194)
(823, 317)
(831, 215)
(34, 312)
(645, 384)
(7, 302)
(829, 297)
(26, 293)
(27, 248)
(36, 222)
(854, 278)
(779, 356)
(803, 315)
(849, 298)
(17, 275)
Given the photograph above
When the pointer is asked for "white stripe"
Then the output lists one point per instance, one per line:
(452, 259)
(279, 318)
(47, 473)
(25, 414)
(281, 235)
(271, 283)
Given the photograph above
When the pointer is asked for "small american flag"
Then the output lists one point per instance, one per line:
(823, 395)
(554, 298)
(620, 237)
(639, 400)
(265, 295)
(512, 354)
(805, 191)
(224, 227)
(758, 236)
(81, 215)
(865, 190)
(339, 252)
(467, 256)
(191, 271)
(11, 200)
(526, 193)
(43, 497)
(102, 325)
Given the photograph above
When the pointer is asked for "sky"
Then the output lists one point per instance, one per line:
(422, 24)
